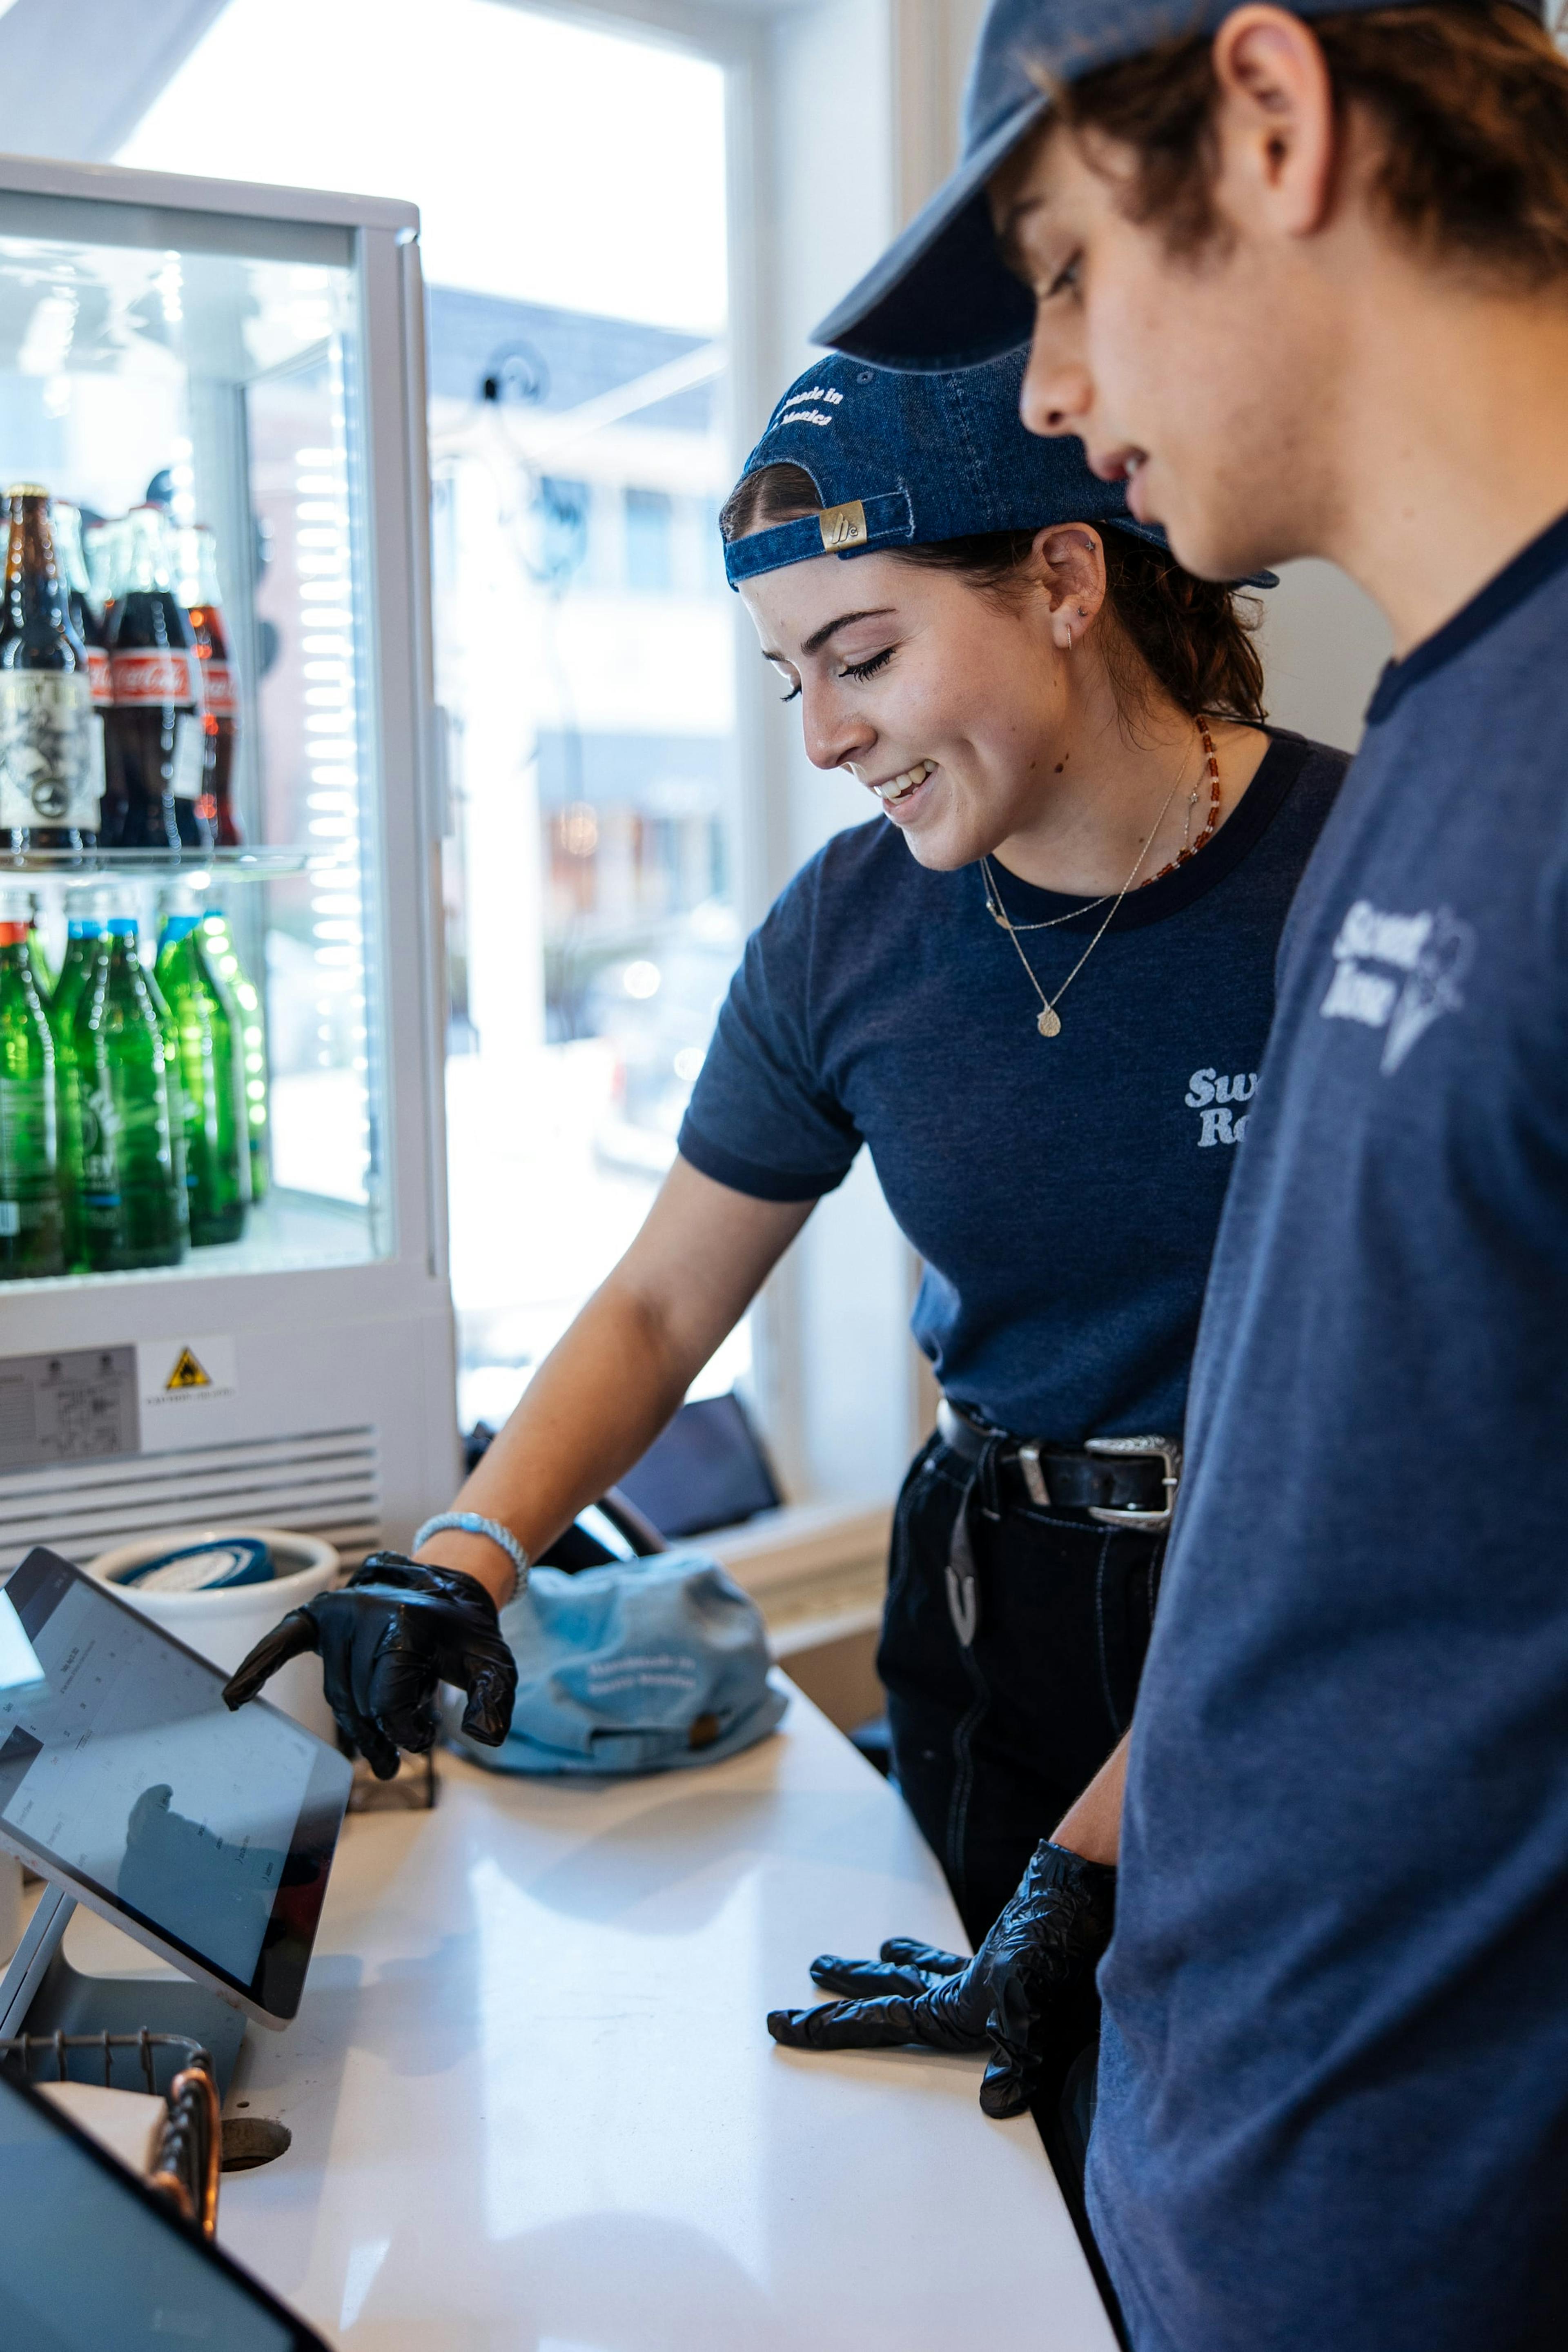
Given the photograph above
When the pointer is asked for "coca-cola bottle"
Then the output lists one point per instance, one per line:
(88, 622)
(155, 741)
(204, 608)
(48, 787)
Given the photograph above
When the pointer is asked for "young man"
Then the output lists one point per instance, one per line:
(1301, 280)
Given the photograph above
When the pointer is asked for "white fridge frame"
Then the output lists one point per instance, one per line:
(342, 1415)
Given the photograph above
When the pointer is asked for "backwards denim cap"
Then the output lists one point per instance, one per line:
(942, 297)
(903, 460)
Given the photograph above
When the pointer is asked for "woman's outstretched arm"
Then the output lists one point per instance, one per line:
(616, 1375)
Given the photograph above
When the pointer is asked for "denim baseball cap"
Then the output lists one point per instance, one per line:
(942, 297)
(900, 459)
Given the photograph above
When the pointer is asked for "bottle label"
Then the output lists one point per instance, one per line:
(217, 684)
(155, 674)
(47, 771)
(99, 1131)
(190, 757)
(26, 1138)
(101, 676)
(10, 1220)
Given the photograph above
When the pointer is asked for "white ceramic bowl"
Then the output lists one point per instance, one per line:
(228, 1622)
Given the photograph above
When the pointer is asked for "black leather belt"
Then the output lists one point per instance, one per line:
(1123, 1482)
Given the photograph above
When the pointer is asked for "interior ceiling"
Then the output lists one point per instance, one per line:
(74, 82)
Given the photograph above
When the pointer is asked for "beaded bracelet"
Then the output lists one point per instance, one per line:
(470, 1523)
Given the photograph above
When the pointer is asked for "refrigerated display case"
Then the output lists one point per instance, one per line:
(251, 359)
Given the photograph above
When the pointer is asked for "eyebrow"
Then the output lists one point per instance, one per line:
(819, 637)
(1008, 237)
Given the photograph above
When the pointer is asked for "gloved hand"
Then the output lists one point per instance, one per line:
(393, 1632)
(1027, 1995)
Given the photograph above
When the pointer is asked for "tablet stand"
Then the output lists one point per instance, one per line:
(42, 1993)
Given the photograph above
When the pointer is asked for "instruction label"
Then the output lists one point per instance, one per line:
(77, 1406)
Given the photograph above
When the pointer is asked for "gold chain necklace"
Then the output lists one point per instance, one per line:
(1047, 1020)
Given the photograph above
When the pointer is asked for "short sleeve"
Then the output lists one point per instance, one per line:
(762, 1118)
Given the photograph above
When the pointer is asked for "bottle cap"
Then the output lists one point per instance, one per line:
(122, 927)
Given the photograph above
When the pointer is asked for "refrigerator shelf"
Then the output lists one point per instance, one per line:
(81, 868)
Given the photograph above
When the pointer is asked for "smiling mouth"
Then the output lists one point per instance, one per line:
(898, 788)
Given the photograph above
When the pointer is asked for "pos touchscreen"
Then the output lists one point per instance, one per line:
(124, 1778)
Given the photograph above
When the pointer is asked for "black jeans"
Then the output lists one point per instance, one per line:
(992, 1742)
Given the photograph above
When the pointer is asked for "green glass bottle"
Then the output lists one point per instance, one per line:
(251, 1029)
(32, 1234)
(175, 1085)
(38, 950)
(217, 1152)
(84, 935)
(134, 1206)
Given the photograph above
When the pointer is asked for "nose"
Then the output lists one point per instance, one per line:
(1057, 393)
(833, 734)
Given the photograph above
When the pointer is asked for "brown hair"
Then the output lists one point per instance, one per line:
(1189, 638)
(1469, 97)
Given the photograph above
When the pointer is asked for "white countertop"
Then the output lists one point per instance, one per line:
(534, 2105)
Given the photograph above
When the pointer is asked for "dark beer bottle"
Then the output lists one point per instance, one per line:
(218, 1155)
(31, 1223)
(86, 621)
(48, 787)
(204, 608)
(133, 1208)
(156, 743)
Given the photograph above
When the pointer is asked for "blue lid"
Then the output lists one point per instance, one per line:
(202, 1567)
(178, 927)
(122, 927)
(941, 296)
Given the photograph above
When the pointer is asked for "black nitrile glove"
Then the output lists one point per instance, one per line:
(1027, 1995)
(386, 1639)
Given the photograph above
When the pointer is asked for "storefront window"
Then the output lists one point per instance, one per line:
(572, 185)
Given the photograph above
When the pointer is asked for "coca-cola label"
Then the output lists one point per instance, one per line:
(217, 682)
(100, 675)
(51, 771)
(190, 757)
(155, 674)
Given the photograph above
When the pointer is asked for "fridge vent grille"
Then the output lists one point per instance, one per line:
(324, 1485)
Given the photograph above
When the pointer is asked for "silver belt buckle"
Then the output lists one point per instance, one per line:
(1122, 1515)
(1034, 1484)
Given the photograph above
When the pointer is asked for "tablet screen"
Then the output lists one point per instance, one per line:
(151, 2284)
(122, 1772)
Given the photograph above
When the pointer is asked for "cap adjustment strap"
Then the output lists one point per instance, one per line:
(854, 528)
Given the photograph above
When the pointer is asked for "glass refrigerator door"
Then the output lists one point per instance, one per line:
(188, 390)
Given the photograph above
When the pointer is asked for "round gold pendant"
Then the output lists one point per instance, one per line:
(1049, 1024)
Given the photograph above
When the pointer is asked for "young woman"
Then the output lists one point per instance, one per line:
(1036, 984)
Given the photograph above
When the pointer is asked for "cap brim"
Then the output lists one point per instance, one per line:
(942, 297)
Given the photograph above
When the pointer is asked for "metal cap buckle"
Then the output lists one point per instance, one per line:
(1122, 1515)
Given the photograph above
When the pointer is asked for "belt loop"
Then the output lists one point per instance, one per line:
(962, 1582)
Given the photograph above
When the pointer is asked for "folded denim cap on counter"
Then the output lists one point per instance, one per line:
(649, 1667)
(942, 297)
(904, 459)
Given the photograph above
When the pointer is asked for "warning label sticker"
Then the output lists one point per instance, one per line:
(181, 1377)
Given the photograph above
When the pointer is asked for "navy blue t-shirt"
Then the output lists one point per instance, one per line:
(1063, 1192)
(1334, 2103)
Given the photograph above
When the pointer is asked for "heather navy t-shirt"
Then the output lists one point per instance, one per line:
(1063, 1192)
(1333, 2099)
